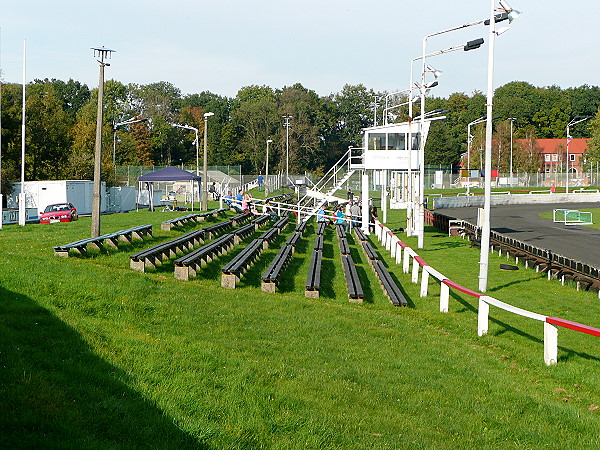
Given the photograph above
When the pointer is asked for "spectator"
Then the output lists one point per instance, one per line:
(355, 210)
(340, 218)
(228, 199)
(246, 202)
(237, 204)
(350, 195)
(212, 189)
(321, 215)
(260, 181)
(268, 209)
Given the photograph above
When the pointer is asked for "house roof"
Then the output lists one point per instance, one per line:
(576, 145)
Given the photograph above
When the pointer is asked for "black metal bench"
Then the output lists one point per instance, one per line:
(300, 227)
(110, 239)
(369, 251)
(150, 257)
(187, 266)
(318, 242)
(243, 232)
(167, 225)
(390, 289)
(293, 239)
(271, 275)
(241, 218)
(321, 227)
(360, 235)
(344, 247)
(313, 279)
(260, 221)
(340, 231)
(216, 228)
(268, 236)
(233, 270)
(355, 290)
(281, 223)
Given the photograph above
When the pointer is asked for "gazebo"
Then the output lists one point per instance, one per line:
(167, 174)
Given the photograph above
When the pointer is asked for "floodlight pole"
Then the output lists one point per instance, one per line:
(103, 54)
(267, 169)
(512, 119)
(287, 147)
(486, 228)
(204, 162)
(22, 196)
(115, 126)
(575, 121)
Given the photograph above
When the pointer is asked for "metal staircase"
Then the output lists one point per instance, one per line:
(332, 181)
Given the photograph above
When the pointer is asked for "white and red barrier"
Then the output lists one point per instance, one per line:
(403, 253)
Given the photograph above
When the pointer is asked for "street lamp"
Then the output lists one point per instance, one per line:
(287, 147)
(485, 229)
(575, 121)
(195, 130)
(267, 169)
(471, 45)
(117, 125)
(512, 119)
(204, 163)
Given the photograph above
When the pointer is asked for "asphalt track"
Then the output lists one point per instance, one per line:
(522, 222)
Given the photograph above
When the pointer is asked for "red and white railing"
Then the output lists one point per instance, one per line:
(403, 253)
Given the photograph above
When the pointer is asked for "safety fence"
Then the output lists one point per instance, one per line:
(403, 255)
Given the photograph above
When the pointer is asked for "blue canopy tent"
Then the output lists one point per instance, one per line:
(167, 174)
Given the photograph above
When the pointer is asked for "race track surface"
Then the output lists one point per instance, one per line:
(523, 223)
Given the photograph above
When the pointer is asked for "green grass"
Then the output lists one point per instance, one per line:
(96, 355)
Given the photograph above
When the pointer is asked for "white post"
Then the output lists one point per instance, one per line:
(550, 343)
(394, 246)
(384, 195)
(399, 258)
(415, 271)
(365, 203)
(444, 297)
(406, 262)
(424, 282)
(482, 317)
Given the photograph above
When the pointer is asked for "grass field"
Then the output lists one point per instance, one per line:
(96, 355)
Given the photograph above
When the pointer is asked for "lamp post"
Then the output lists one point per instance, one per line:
(195, 130)
(117, 125)
(471, 45)
(485, 229)
(512, 119)
(267, 169)
(575, 121)
(204, 163)
(287, 147)
(103, 53)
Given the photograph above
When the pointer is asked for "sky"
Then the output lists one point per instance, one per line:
(222, 46)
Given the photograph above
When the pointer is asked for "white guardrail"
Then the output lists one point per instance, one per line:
(402, 254)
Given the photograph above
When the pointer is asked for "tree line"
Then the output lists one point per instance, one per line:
(61, 123)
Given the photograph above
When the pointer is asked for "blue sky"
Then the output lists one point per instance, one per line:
(221, 46)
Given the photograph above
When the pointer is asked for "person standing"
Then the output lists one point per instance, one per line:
(350, 195)
(339, 217)
(260, 181)
(355, 210)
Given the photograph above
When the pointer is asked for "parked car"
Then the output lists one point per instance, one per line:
(59, 212)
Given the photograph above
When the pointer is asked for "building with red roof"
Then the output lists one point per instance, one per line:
(554, 155)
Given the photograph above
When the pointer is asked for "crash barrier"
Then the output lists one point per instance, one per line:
(167, 225)
(403, 253)
(110, 239)
(152, 256)
(585, 276)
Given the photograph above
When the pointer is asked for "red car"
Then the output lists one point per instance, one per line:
(59, 212)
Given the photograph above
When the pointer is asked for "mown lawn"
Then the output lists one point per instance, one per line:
(96, 355)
